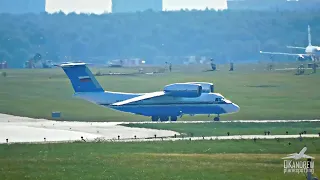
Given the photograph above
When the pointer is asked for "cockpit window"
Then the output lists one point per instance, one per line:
(218, 100)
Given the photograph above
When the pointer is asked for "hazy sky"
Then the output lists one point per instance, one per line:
(100, 6)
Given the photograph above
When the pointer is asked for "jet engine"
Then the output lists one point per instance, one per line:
(183, 90)
(304, 58)
(301, 58)
(206, 87)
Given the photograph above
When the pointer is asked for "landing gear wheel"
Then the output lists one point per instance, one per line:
(216, 119)
(166, 118)
(154, 118)
(173, 118)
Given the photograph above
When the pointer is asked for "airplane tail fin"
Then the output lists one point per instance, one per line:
(309, 35)
(81, 77)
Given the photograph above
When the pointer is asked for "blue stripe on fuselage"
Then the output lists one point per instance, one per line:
(163, 105)
(169, 103)
(171, 109)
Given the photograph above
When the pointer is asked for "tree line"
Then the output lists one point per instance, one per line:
(223, 35)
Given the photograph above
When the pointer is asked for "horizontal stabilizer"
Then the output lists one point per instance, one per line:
(72, 64)
(140, 98)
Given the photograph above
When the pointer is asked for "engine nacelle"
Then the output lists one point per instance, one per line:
(183, 90)
(301, 58)
(304, 58)
(206, 87)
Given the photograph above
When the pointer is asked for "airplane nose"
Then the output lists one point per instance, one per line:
(236, 107)
(232, 108)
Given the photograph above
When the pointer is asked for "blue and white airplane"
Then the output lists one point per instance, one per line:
(174, 101)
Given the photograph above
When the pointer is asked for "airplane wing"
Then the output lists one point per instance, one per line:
(280, 53)
(289, 157)
(140, 98)
(294, 47)
(306, 156)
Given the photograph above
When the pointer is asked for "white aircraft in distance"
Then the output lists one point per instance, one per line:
(299, 156)
(311, 51)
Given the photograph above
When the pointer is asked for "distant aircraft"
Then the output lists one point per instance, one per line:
(297, 156)
(175, 100)
(311, 51)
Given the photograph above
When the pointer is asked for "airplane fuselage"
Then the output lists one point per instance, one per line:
(174, 100)
(313, 50)
(206, 103)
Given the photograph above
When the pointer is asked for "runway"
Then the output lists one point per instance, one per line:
(235, 137)
(28, 130)
(289, 69)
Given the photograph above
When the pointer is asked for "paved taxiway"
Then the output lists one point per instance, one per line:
(21, 129)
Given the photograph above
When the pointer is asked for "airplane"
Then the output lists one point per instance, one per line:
(299, 156)
(173, 101)
(311, 51)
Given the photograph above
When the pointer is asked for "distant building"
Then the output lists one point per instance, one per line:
(126, 62)
(22, 6)
(177, 5)
(122, 6)
(265, 5)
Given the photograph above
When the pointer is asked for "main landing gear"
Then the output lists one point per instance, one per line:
(154, 118)
(217, 118)
(163, 118)
(173, 118)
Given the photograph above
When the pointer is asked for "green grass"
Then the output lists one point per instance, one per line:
(234, 128)
(260, 94)
(236, 159)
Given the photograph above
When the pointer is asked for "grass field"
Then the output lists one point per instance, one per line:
(232, 160)
(234, 128)
(260, 94)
